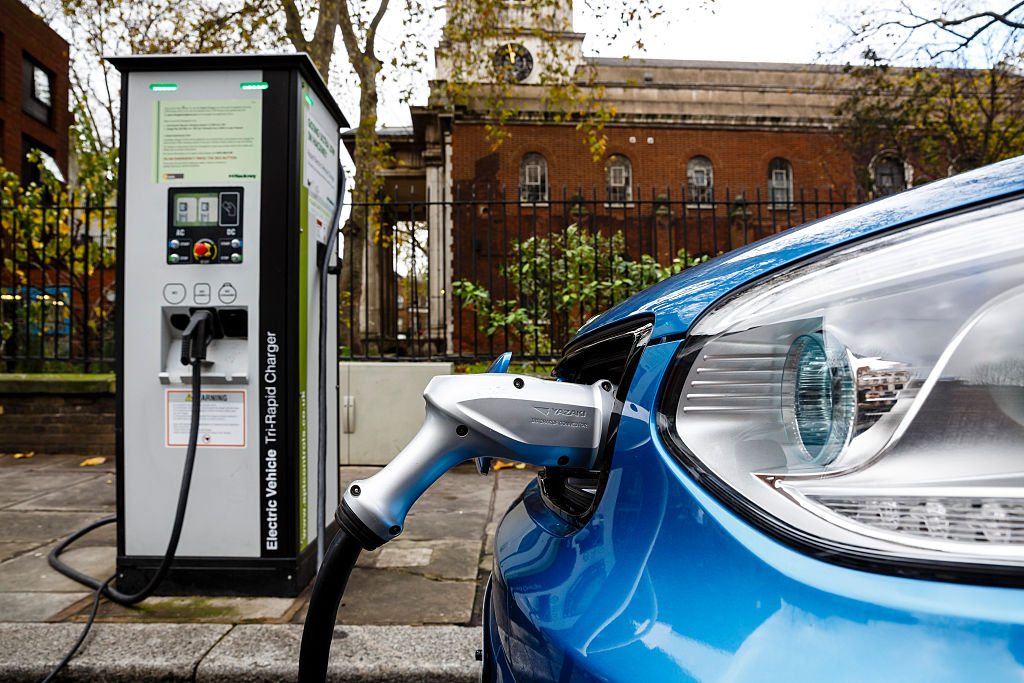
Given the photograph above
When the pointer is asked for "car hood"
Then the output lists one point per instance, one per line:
(677, 301)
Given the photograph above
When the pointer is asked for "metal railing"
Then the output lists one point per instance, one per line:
(469, 275)
(57, 287)
(458, 277)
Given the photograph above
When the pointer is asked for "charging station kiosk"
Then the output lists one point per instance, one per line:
(229, 175)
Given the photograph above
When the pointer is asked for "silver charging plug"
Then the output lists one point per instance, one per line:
(491, 415)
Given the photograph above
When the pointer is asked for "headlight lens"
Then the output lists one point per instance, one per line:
(873, 399)
(817, 400)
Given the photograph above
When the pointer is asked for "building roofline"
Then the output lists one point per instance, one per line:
(641, 62)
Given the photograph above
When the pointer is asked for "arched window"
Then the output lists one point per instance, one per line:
(701, 180)
(780, 183)
(887, 170)
(533, 178)
(618, 179)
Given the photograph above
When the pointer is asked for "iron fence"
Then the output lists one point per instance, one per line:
(462, 276)
(57, 287)
(483, 270)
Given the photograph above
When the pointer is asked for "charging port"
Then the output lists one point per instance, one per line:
(234, 322)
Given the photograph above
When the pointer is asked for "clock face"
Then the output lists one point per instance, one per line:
(513, 61)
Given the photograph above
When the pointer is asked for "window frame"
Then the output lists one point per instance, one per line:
(31, 103)
(527, 194)
(776, 166)
(705, 196)
(618, 192)
(30, 172)
(893, 162)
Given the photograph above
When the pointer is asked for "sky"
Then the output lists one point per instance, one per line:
(730, 30)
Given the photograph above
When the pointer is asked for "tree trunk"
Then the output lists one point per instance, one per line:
(359, 228)
(332, 16)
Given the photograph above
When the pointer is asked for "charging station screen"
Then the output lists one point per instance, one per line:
(196, 210)
(204, 225)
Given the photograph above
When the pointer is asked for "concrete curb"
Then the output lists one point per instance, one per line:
(251, 653)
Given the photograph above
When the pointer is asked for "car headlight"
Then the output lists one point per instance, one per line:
(869, 405)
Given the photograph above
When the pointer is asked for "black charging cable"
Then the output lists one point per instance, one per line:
(321, 456)
(195, 340)
(318, 627)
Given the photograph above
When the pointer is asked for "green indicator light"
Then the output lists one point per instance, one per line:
(309, 100)
(260, 85)
(163, 87)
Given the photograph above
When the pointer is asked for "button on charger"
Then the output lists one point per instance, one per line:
(204, 250)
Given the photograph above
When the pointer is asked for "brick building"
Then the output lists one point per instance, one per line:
(704, 125)
(33, 92)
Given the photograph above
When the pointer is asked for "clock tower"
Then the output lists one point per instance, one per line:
(516, 44)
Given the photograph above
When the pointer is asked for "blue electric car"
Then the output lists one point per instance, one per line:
(815, 470)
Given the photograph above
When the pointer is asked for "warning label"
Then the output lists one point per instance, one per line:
(221, 418)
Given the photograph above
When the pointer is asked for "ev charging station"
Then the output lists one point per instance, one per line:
(229, 179)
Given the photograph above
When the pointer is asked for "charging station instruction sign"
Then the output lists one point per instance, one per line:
(208, 141)
(319, 163)
(221, 420)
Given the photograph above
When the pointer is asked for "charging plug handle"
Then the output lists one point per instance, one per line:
(197, 337)
(511, 417)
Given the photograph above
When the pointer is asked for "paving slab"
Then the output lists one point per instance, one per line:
(9, 550)
(424, 654)
(18, 486)
(196, 609)
(424, 525)
(47, 461)
(36, 606)
(32, 573)
(443, 559)
(397, 597)
(112, 652)
(42, 527)
(7, 459)
(93, 491)
(390, 597)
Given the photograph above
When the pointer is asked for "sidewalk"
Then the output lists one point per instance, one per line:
(411, 611)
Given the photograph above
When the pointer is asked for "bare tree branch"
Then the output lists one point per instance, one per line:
(945, 32)
(293, 25)
(371, 32)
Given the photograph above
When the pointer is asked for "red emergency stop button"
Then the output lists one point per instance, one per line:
(204, 250)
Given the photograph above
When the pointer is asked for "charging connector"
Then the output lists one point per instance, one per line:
(196, 338)
(511, 417)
